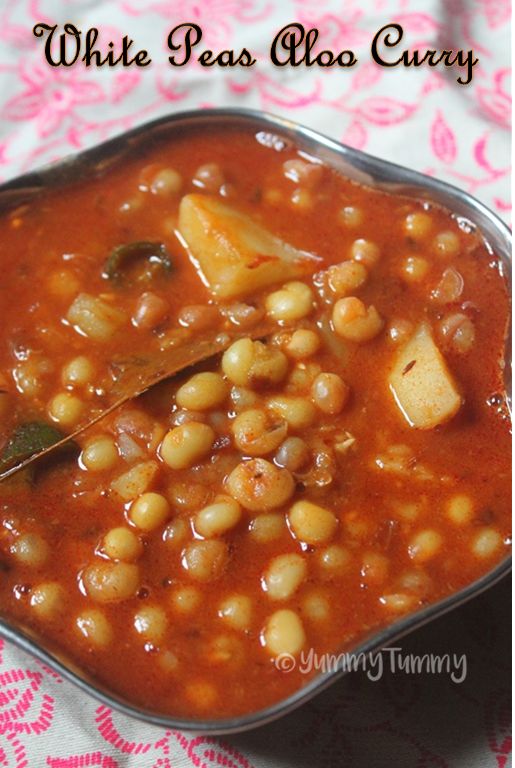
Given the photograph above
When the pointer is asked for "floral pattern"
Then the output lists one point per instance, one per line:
(421, 118)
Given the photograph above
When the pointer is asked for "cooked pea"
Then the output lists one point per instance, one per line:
(267, 527)
(285, 573)
(311, 523)
(168, 181)
(188, 496)
(186, 445)
(329, 393)
(425, 545)
(299, 412)
(350, 216)
(293, 454)
(365, 252)
(284, 633)
(252, 363)
(316, 606)
(398, 602)
(418, 225)
(260, 486)
(205, 560)
(78, 372)
(354, 322)
(486, 542)
(374, 568)
(447, 244)
(293, 302)
(151, 623)
(203, 391)
(149, 511)
(303, 343)
(48, 600)
(219, 517)
(256, 434)
(460, 509)
(176, 532)
(414, 269)
(122, 544)
(95, 627)
(199, 317)
(334, 560)
(151, 310)
(236, 611)
(66, 409)
(345, 278)
(185, 600)
(31, 549)
(302, 199)
(99, 454)
(111, 582)
(450, 287)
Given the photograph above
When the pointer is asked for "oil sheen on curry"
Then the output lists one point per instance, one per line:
(299, 491)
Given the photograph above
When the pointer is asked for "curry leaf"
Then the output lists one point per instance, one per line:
(26, 440)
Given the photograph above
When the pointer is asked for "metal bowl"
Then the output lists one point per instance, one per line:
(364, 169)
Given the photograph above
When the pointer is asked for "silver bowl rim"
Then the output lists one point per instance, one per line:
(369, 170)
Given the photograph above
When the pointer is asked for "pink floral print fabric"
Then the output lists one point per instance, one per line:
(417, 117)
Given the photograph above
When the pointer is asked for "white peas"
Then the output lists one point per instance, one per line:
(78, 372)
(31, 549)
(298, 412)
(66, 409)
(203, 391)
(303, 343)
(187, 444)
(333, 561)
(185, 600)
(48, 600)
(166, 182)
(414, 269)
(122, 544)
(418, 225)
(293, 454)
(460, 509)
(486, 543)
(284, 575)
(205, 560)
(260, 486)
(111, 582)
(311, 523)
(353, 321)
(447, 244)
(267, 527)
(95, 628)
(151, 623)
(149, 511)
(365, 252)
(293, 302)
(329, 393)
(248, 363)
(236, 612)
(284, 633)
(100, 454)
(256, 434)
(151, 310)
(425, 545)
(218, 518)
(345, 278)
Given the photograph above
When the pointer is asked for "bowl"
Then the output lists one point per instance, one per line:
(364, 169)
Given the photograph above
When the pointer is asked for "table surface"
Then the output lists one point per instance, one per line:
(420, 118)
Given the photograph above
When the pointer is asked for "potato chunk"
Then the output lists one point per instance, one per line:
(421, 383)
(235, 255)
